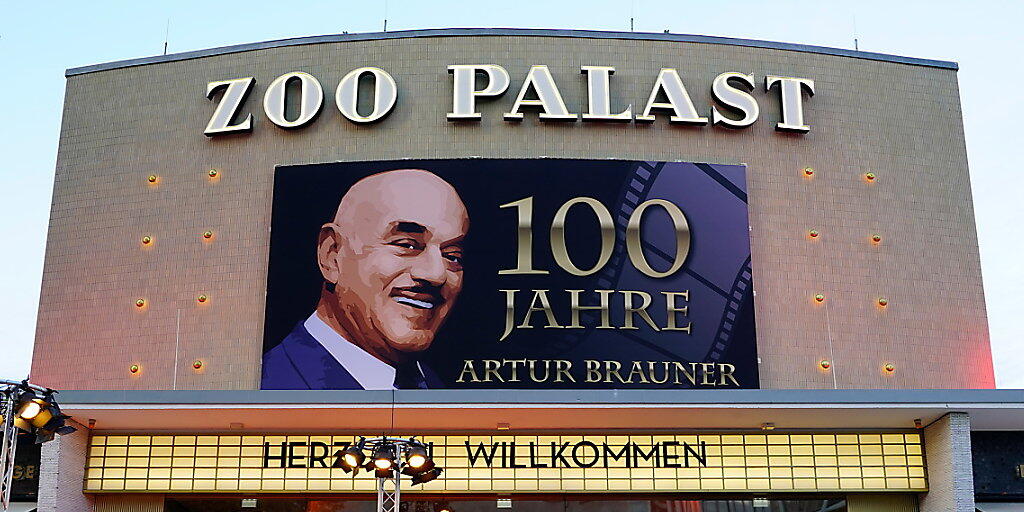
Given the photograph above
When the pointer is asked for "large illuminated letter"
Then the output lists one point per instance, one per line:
(310, 92)
(736, 99)
(548, 98)
(464, 90)
(790, 90)
(599, 96)
(235, 92)
(385, 93)
(678, 103)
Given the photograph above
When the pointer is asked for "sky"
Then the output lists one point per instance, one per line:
(39, 40)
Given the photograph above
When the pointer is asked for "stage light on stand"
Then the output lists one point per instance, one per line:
(32, 409)
(352, 458)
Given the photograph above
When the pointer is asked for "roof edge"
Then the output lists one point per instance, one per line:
(448, 32)
(695, 397)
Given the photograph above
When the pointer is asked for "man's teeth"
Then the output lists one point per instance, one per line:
(414, 303)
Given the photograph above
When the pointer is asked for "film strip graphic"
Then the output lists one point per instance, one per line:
(637, 189)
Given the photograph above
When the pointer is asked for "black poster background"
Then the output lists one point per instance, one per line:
(306, 196)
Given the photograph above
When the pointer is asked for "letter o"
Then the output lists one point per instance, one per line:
(312, 99)
(385, 92)
(633, 246)
(558, 248)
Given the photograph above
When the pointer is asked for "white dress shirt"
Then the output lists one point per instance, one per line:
(369, 372)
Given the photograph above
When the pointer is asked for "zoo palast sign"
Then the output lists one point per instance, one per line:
(732, 92)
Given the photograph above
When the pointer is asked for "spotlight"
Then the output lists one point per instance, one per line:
(352, 458)
(30, 409)
(426, 476)
(416, 457)
(384, 460)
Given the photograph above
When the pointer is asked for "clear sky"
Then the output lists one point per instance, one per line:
(39, 40)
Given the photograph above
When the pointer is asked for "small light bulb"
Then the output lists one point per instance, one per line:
(813, 233)
(146, 240)
(877, 239)
(889, 367)
(152, 178)
(819, 297)
(134, 368)
(140, 302)
(213, 173)
(208, 235)
(202, 298)
(825, 364)
(808, 171)
(883, 302)
(869, 176)
(197, 364)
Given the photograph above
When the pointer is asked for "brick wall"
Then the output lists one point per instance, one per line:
(947, 444)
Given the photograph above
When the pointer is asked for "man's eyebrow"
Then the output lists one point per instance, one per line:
(404, 226)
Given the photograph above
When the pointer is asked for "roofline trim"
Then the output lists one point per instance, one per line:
(450, 32)
(774, 398)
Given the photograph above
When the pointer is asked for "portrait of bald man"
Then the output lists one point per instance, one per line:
(391, 261)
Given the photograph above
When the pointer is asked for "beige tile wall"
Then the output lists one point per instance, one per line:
(901, 121)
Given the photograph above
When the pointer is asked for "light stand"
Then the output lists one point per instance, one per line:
(390, 458)
(30, 408)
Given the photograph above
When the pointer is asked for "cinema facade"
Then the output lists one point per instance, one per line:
(589, 270)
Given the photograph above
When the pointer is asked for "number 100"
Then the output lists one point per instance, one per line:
(524, 252)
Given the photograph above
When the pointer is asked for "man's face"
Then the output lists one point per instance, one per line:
(398, 258)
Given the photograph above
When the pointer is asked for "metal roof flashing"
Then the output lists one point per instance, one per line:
(451, 32)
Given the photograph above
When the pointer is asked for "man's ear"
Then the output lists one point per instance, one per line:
(328, 244)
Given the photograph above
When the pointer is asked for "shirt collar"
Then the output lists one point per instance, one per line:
(368, 371)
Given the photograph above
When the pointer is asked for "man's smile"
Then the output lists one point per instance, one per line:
(420, 297)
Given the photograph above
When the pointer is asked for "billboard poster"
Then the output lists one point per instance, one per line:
(509, 274)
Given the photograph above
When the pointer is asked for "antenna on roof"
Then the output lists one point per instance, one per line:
(385, 15)
(167, 34)
(856, 45)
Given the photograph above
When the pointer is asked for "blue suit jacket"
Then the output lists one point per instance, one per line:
(301, 362)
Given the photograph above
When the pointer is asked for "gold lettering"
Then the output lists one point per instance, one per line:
(612, 368)
(630, 310)
(670, 307)
(524, 238)
(562, 367)
(491, 367)
(689, 374)
(725, 372)
(510, 304)
(574, 304)
(533, 374)
(515, 367)
(545, 306)
(558, 248)
(650, 368)
(593, 371)
(707, 371)
(467, 367)
(638, 371)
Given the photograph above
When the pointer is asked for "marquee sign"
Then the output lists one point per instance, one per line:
(534, 463)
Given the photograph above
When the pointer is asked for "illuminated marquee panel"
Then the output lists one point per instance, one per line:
(519, 463)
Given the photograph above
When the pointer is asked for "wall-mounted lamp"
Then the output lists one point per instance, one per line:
(202, 299)
(889, 367)
(825, 364)
(813, 233)
(869, 176)
(876, 239)
(808, 172)
(208, 234)
(213, 173)
(883, 302)
(134, 369)
(146, 240)
(152, 178)
(819, 297)
(197, 364)
(140, 303)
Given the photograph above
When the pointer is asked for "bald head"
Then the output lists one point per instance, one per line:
(393, 257)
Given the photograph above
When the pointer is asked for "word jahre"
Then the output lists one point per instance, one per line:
(561, 370)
